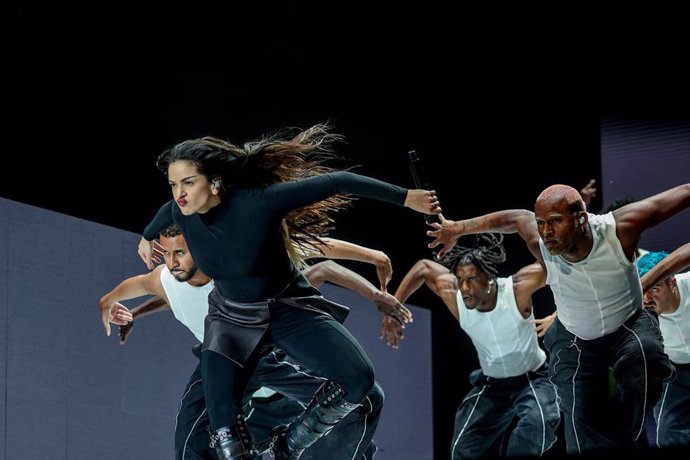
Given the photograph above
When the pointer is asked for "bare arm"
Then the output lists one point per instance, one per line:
(634, 218)
(137, 286)
(152, 305)
(338, 249)
(526, 282)
(436, 277)
(675, 262)
(337, 274)
(520, 221)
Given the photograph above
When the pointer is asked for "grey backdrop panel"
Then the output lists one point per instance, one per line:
(70, 392)
(644, 156)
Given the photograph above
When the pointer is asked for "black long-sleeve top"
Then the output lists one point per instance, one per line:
(238, 243)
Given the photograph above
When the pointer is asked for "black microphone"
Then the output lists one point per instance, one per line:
(420, 180)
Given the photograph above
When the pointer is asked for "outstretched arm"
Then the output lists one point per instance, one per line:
(634, 218)
(137, 286)
(337, 274)
(521, 221)
(286, 196)
(675, 262)
(338, 249)
(437, 278)
(152, 305)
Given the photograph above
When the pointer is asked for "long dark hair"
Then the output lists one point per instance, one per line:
(285, 155)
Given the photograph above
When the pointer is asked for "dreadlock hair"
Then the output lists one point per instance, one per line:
(285, 155)
(487, 253)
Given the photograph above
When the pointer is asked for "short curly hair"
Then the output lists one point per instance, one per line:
(649, 261)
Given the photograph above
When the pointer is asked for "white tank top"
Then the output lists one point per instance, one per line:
(506, 342)
(595, 296)
(188, 303)
(675, 327)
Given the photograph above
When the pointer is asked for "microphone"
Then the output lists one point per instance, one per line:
(420, 180)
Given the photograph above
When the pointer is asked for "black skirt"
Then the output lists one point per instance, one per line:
(234, 329)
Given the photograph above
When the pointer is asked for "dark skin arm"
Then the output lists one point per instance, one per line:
(153, 305)
(520, 221)
(674, 263)
(634, 218)
(338, 249)
(436, 277)
(329, 271)
(526, 282)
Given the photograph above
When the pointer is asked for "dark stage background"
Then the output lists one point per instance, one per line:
(91, 103)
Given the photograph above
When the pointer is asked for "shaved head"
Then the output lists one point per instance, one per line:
(559, 192)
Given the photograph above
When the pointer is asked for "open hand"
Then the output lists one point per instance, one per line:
(392, 331)
(444, 233)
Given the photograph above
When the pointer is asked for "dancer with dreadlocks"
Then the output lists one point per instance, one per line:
(589, 262)
(232, 204)
(496, 313)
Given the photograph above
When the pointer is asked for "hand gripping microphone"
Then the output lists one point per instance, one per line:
(419, 179)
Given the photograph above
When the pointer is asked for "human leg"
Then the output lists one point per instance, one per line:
(191, 436)
(349, 439)
(640, 368)
(321, 344)
(481, 420)
(352, 438)
(538, 416)
(579, 370)
(224, 384)
(672, 413)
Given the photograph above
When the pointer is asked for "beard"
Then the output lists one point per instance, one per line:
(183, 276)
(556, 251)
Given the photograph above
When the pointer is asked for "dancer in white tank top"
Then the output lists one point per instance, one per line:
(497, 315)
(669, 296)
(590, 266)
(180, 286)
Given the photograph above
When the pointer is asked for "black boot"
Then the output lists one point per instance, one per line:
(233, 442)
(324, 411)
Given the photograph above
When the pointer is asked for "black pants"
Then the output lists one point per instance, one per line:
(352, 438)
(491, 405)
(672, 414)
(580, 370)
(311, 338)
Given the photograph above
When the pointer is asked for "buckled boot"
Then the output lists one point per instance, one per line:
(233, 442)
(326, 409)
